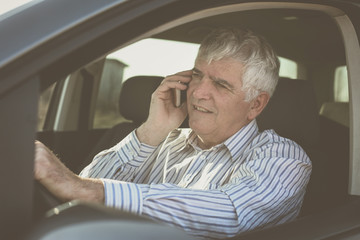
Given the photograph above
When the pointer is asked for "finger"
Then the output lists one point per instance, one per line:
(186, 73)
(184, 76)
(174, 82)
(40, 148)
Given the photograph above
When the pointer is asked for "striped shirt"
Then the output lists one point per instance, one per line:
(251, 181)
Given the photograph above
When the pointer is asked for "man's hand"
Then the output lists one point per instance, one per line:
(61, 182)
(163, 115)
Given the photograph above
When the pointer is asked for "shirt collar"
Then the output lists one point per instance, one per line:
(238, 142)
(192, 140)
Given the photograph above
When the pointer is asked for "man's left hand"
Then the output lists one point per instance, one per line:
(62, 182)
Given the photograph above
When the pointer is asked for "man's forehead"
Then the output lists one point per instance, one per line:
(222, 70)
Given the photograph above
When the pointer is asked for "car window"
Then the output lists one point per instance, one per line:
(288, 68)
(146, 57)
(341, 86)
(149, 57)
(337, 109)
(163, 57)
(156, 57)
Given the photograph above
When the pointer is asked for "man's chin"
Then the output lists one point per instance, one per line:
(199, 127)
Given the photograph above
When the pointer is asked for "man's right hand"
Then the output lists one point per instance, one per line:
(163, 115)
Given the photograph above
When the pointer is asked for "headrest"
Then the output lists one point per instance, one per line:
(135, 97)
(292, 112)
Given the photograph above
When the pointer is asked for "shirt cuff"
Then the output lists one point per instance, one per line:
(124, 195)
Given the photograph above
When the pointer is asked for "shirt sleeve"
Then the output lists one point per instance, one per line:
(125, 196)
(119, 162)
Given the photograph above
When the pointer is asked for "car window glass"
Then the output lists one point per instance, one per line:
(288, 68)
(341, 87)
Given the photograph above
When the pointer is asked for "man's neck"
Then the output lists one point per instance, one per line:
(211, 140)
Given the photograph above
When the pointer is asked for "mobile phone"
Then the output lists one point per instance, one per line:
(179, 97)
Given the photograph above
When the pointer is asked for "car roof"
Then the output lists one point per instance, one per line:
(288, 28)
(40, 21)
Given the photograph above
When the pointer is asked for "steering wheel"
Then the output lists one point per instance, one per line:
(43, 200)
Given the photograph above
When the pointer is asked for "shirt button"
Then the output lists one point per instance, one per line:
(132, 153)
(202, 157)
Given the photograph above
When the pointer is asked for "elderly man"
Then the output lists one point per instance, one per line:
(218, 178)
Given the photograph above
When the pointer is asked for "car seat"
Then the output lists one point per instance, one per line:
(292, 113)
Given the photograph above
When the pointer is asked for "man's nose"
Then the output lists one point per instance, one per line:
(203, 89)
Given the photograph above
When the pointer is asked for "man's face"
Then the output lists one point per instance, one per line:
(216, 104)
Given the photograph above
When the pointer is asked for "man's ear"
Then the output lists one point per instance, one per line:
(258, 104)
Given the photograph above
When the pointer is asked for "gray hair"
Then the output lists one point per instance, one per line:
(261, 65)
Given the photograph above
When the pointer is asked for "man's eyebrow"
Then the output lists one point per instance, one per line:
(217, 80)
(223, 82)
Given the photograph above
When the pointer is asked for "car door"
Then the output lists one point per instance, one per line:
(41, 42)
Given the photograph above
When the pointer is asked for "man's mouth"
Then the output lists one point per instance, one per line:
(201, 109)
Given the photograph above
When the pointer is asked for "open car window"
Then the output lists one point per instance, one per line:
(147, 57)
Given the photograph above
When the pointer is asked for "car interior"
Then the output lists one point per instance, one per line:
(305, 106)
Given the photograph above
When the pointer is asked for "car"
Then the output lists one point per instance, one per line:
(78, 78)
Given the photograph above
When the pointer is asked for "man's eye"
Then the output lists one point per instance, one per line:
(219, 84)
